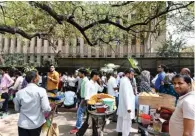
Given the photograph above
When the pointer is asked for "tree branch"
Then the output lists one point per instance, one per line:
(49, 10)
(70, 19)
(107, 21)
(123, 4)
(167, 10)
(14, 30)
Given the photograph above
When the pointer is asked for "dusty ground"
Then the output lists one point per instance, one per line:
(65, 121)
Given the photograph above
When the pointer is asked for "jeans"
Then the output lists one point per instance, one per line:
(80, 112)
(5, 104)
(117, 100)
(29, 132)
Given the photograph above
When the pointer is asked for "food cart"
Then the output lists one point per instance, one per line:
(50, 128)
(100, 108)
(99, 121)
(152, 102)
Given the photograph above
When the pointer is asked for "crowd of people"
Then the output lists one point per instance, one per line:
(31, 100)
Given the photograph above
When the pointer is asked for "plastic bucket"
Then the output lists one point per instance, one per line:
(145, 119)
(109, 102)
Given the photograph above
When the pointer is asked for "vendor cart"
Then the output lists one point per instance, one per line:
(100, 108)
(50, 127)
(147, 132)
(97, 117)
(154, 103)
(99, 120)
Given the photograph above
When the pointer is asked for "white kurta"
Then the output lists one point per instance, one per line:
(126, 102)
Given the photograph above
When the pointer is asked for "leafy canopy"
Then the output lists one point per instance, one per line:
(95, 21)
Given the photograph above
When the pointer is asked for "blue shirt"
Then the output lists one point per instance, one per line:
(168, 89)
(160, 78)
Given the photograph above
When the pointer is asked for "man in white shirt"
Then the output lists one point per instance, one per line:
(72, 83)
(112, 90)
(64, 80)
(183, 118)
(17, 85)
(19, 79)
(91, 88)
(126, 107)
(112, 86)
(94, 85)
(31, 102)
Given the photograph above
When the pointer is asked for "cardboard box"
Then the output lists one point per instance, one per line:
(156, 102)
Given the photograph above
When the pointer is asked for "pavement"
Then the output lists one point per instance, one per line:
(65, 121)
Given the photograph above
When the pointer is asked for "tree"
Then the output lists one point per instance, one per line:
(97, 22)
(171, 48)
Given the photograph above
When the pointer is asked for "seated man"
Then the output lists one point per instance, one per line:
(70, 99)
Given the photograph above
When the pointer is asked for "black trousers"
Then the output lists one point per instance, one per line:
(29, 132)
(5, 104)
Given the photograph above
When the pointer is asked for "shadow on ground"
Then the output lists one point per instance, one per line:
(65, 120)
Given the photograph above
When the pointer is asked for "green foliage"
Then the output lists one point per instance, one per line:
(13, 60)
(32, 19)
(29, 68)
(171, 48)
(134, 63)
(16, 60)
